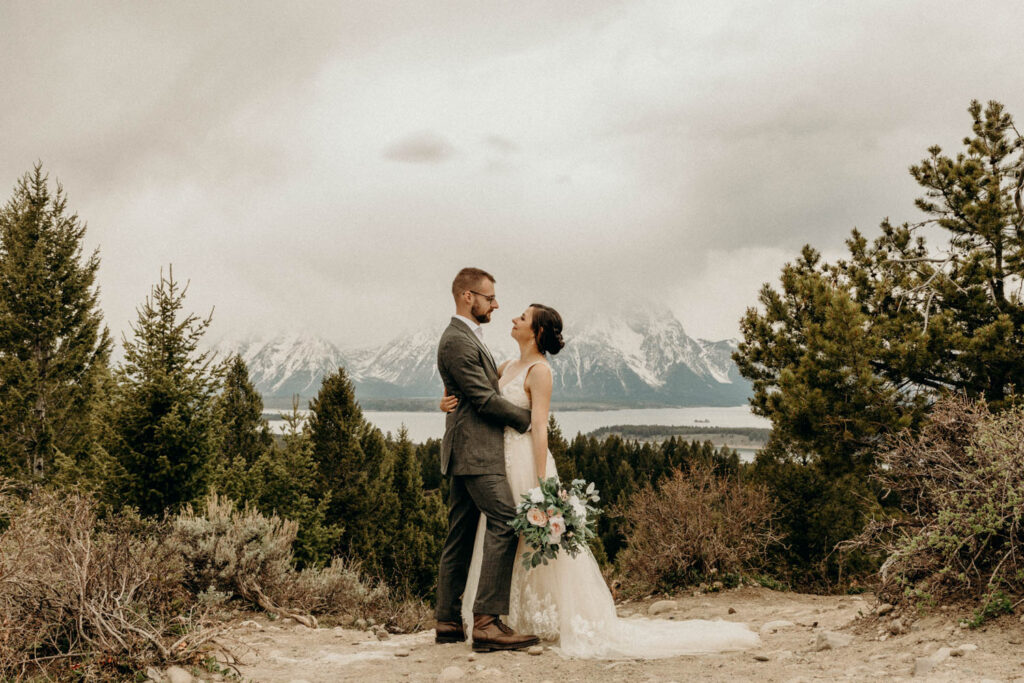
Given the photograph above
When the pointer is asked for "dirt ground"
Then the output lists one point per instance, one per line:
(863, 646)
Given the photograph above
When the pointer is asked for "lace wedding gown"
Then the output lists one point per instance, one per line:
(567, 599)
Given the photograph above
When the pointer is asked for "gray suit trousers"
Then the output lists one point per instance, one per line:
(469, 495)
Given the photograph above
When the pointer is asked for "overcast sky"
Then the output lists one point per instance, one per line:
(329, 166)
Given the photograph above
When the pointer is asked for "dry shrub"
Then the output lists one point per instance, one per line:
(693, 526)
(96, 598)
(237, 552)
(960, 484)
(247, 554)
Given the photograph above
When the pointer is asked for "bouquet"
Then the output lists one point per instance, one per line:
(552, 516)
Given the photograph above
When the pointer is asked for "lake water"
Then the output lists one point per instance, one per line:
(426, 425)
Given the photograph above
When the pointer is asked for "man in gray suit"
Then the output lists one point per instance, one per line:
(473, 454)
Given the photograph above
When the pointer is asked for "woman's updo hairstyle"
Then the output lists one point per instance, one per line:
(547, 329)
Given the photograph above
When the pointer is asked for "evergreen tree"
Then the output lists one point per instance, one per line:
(847, 354)
(422, 520)
(428, 454)
(357, 467)
(286, 480)
(53, 346)
(245, 435)
(165, 417)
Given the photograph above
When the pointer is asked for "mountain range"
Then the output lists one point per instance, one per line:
(640, 359)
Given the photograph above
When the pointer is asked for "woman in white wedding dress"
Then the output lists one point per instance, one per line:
(567, 601)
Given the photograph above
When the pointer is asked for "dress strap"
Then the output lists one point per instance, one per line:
(530, 367)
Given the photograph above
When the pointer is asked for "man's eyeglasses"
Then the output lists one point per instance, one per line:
(490, 299)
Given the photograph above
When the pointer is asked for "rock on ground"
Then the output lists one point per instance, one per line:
(661, 606)
(923, 665)
(777, 625)
(829, 640)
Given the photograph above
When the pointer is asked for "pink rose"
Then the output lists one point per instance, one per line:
(557, 527)
(536, 517)
(552, 511)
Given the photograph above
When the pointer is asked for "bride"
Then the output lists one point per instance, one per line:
(567, 601)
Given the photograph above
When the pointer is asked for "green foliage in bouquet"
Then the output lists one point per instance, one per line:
(551, 517)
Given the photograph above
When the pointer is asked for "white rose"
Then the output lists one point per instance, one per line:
(536, 495)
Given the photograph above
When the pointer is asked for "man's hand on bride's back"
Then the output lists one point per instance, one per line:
(448, 402)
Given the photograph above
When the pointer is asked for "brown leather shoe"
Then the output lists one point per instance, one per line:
(489, 633)
(449, 632)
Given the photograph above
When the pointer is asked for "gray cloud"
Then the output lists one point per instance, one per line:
(424, 147)
(500, 144)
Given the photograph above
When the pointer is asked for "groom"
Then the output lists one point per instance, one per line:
(473, 453)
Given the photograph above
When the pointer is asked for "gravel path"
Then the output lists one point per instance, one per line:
(804, 638)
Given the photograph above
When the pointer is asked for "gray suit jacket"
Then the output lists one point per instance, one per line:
(474, 440)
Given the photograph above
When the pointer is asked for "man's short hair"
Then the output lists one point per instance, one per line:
(468, 278)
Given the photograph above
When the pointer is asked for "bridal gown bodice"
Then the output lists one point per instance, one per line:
(567, 601)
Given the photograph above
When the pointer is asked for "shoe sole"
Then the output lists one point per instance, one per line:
(491, 647)
(442, 640)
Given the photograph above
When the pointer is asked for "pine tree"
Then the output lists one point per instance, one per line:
(422, 521)
(286, 480)
(357, 467)
(53, 346)
(245, 435)
(165, 414)
(844, 355)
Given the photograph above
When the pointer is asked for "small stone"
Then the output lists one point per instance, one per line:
(451, 673)
(732, 610)
(338, 631)
(471, 657)
(883, 609)
(371, 621)
(361, 624)
(176, 674)
(717, 586)
(829, 640)
(773, 626)
(249, 623)
(896, 627)
(383, 635)
(923, 665)
(154, 675)
(402, 652)
(661, 606)
(535, 650)
(961, 650)
(761, 658)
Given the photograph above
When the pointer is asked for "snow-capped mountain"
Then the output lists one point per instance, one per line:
(638, 359)
(287, 365)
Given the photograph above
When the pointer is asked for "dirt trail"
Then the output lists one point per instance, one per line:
(878, 647)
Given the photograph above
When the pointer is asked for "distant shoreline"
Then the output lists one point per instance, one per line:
(274, 406)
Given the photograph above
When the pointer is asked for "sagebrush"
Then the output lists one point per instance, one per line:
(693, 526)
(100, 598)
(960, 486)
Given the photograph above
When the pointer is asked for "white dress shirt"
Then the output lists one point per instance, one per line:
(475, 327)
